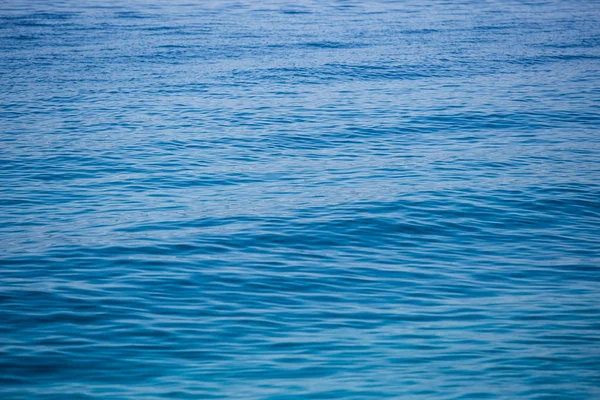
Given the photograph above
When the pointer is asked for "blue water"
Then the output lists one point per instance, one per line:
(299, 200)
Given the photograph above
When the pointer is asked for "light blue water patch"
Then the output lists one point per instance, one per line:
(308, 200)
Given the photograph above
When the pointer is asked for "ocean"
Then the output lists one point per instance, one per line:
(299, 200)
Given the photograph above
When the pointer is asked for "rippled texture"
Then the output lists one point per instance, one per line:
(299, 200)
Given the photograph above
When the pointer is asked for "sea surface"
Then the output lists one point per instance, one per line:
(299, 200)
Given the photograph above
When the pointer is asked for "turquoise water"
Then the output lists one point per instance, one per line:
(299, 200)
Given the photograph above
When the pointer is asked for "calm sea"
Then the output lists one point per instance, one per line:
(299, 200)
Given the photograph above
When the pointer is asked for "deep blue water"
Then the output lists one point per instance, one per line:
(299, 200)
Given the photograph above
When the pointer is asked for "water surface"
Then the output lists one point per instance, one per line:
(299, 200)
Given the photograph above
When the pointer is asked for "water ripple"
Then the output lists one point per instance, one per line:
(318, 200)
